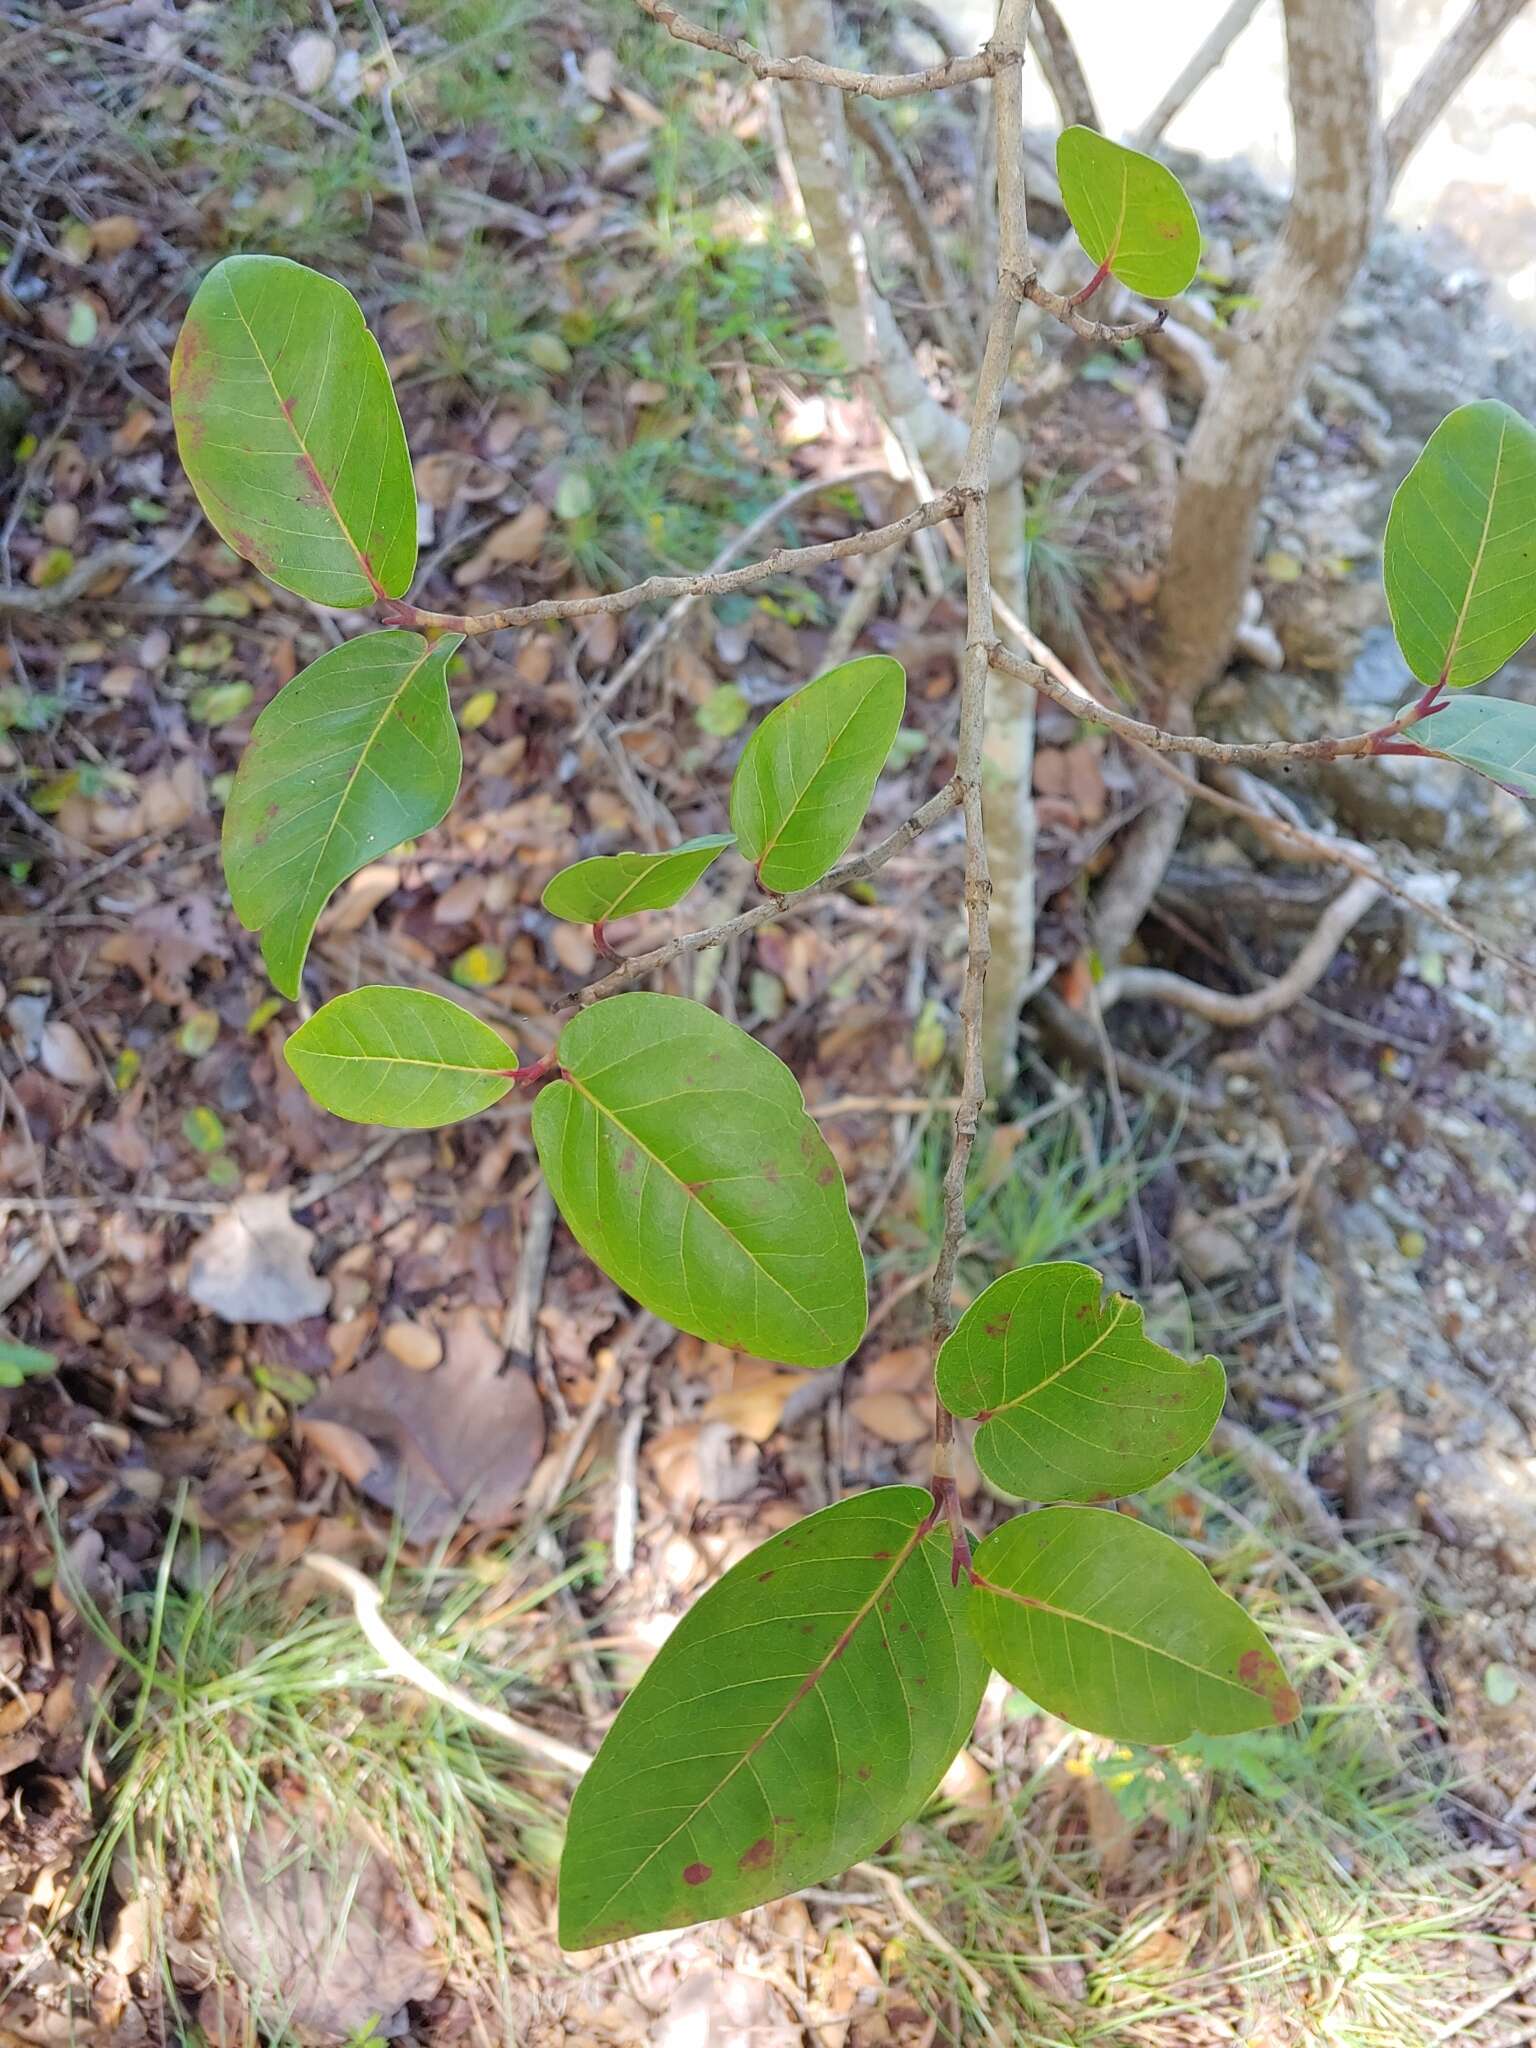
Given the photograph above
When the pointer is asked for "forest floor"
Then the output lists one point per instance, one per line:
(275, 1335)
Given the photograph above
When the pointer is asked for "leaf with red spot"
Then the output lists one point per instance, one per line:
(1078, 1402)
(1130, 213)
(288, 429)
(679, 1153)
(802, 1711)
(1116, 1628)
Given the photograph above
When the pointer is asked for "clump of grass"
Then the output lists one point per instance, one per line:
(1297, 1885)
(242, 1708)
(1052, 1187)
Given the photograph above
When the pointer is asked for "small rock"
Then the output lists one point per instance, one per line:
(311, 60)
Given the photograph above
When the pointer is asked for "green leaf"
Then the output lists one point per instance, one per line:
(619, 884)
(401, 1057)
(202, 1129)
(288, 429)
(356, 754)
(681, 1157)
(1117, 1629)
(1459, 556)
(1130, 213)
(802, 1711)
(1490, 734)
(807, 774)
(20, 1362)
(1079, 1403)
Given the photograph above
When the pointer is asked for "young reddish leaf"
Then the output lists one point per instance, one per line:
(1080, 1403)
(1114, 1627)
(402, 1057)
(1459, 555)
(681, 1157)
(288, 428)
(1129, 212)
(801, 1712)
(619, 884)
(356, 754)
(806, 776)
(1494, 735)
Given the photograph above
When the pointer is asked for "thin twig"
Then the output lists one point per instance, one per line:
(987, 63)
(946, 300)
(1052, 43)
(53, 597)
(1449, 67)
(1073, 697)
(857, 869)
(1063, 307)
(674, 616)
(901, 1899)
(396, 611)
(400, 1663)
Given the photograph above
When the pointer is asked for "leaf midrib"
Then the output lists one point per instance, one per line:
(810, 783)
(573, 1082)
(1454, 648)
(1030, 1603)
(360, 763)
(303, 447)
(802, 1692)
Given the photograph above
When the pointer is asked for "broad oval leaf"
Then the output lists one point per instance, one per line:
(1490, 734)
(1078, 1402)
(401, 1057)
(797, 1716)
(619, 884)
(1130, 213)
(806, 775)
(681, 1157)
(354, 755)
(287, 426)
(1116, 1628)
(1459, 555)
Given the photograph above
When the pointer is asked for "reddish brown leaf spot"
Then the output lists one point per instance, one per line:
(1169, 230)
(698, 1873)
(1083, 1311)
(827, 1175)
(764, 1577)
(192, 367)
(312, 490)
(1262, 1675)
(998, 1327)
(879, 1553)
(758, 1857)
(628, 1160)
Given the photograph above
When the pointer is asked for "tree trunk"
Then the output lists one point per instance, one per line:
(816, 135)
(1331, 59)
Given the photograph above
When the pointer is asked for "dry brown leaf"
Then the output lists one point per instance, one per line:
(754, 1402)
(508, 546)
(893, 1418)
(456, 1444)
(904, 1371)
(368, 888)
(115, 232)
(322, 1932)
(252, 1265)
(416, 1345)
(64, 1054)
(345, 1450)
